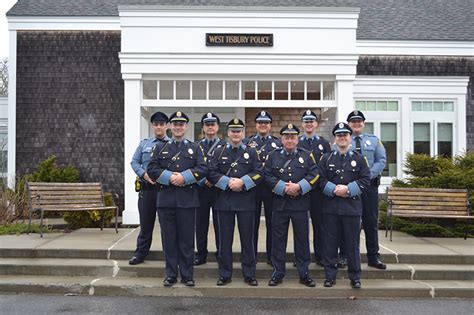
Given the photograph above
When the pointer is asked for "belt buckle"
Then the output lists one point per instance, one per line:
(233, 164)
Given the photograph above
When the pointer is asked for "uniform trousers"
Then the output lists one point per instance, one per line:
(226, 224)
(147, 211)
(207, 200)
(264, 195)
(300, 223)
(351, 234)
(177, 236)
(370, 217)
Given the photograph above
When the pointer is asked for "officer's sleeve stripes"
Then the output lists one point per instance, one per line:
(305, 186)
(354, 189)
(164, 178)
(279, 188)
(188, 177)
(248, 182)
(314, 179)
(256, 176)
(329, 189)
(223, 183)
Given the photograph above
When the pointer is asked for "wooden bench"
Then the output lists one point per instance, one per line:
(67, 197)
(427, 203)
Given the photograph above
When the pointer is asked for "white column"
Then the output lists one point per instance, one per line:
(344, 96)
(132, 115)
(405, 141)
(12, 110)
(460, 145)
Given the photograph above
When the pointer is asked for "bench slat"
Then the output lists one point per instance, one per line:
(416, 212)
(61, 188)
(426, 194)
(77, 209)
(71, 197)
(424, 207)
(432, 203)
(428, 198)
(71, 204)
(433, 216)
(411, 189)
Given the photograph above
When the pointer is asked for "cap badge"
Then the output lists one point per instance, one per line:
(353, 163)
(190, 151)
(356, 112)
(341, 125)
(262, 113)
(320, 146)
(308, 112)
(178, 114)
(236, 121)
(290, 126)
(246, 156)
(209, 115)
(301, 160)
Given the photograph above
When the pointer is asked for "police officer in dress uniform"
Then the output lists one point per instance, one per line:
(344, 175)
(176, 166)
(207, 192)
(318, 146)
(371, 148)
(291, 173)
(264, 143)
(236, 170)
(147, 187)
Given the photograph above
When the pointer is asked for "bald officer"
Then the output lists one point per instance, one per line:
(147, 187)
(344, 175)
(176, 166)
(236, 171)
(316, 144)
(291, 173)
(373, 150)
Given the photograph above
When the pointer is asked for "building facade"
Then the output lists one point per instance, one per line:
(85, 77)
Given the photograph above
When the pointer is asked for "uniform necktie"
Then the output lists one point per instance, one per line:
(310, 141)
(358, 148)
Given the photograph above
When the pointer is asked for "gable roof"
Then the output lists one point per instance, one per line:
(446, 20)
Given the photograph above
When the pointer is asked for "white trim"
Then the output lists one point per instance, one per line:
(54, 23)
(12, 110)
(415, 47)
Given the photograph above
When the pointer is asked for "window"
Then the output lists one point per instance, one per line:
(150, 90)
(432, 106)
(166, 90)
(445, 139)
(183, 90)
(377, 105)
(199, 90)
(264, 90)
(388, 136)
(369, 128)
(231, 90)
(421, 138)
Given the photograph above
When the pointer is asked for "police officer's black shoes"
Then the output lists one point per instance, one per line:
(355, 284)
(377, 264)
(251, 281)
(189, 282)
(223, 281)
(169, 282)
(135, 260)
(199, 262)
(329, 283)
(341, 263)
(308, 282)
(274, 281)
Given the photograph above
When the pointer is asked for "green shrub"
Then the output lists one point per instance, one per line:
(21, 228)
(49, 171)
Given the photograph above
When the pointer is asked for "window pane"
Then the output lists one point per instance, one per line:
(199, 90)
(248, 90)
(360, 105)
(448, 106)
(369, 128)
(215, 110)
(297, 90)
(215, 90)
(182, 90)
(416, 106)
(281, 90)
(150, 89)
(166, 90)
(382, 105)
(264, 90)
(445, 139)
(421, 138)
(427, 106)
(231, 90)
(392, 106)
(328, 91)
(389, 139)
(313, 90)
(371, 105)
(438, 106)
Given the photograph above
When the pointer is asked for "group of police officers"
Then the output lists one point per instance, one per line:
(295, 178)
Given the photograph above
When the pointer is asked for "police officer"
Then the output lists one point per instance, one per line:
(264, 143)
(147, 187)
(318, 146)
(176, 166)
(207, 192)
(344, 174)
(291, 173)
(371, 148)
(236, 170)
